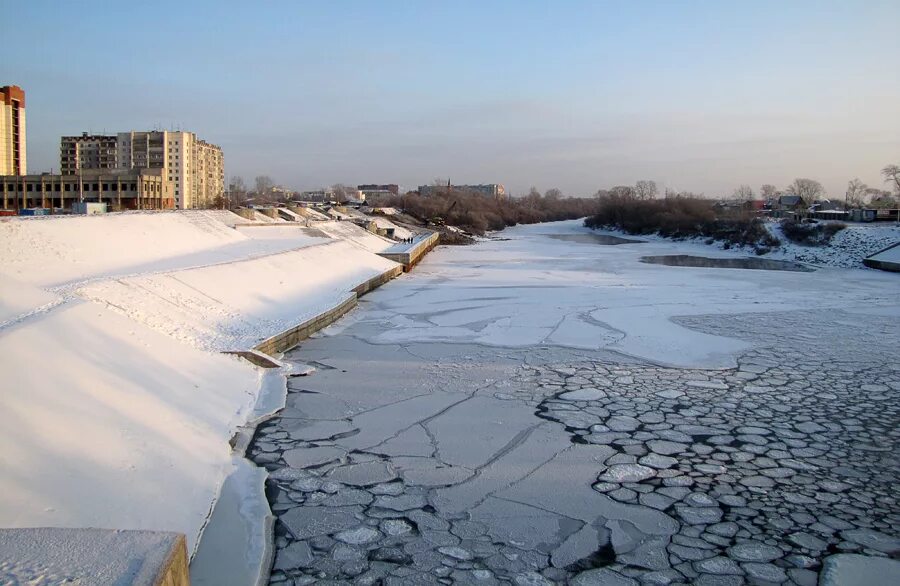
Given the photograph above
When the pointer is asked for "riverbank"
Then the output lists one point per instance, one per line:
(846, 250)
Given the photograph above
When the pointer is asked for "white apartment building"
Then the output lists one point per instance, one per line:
(194, 167)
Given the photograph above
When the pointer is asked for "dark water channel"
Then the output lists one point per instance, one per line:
(594, 239)
(686, 260)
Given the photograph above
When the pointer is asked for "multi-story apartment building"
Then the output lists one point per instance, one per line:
(495, 190)
(88, 151)
(12, 131)
(195, 168)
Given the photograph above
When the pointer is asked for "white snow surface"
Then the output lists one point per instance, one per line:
(399, 231)
(355, 234)
(52, 251)
(116, 407)
(46, 556)
(107, 423)
(847, 249)
(236, 305)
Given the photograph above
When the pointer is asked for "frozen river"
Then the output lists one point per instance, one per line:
(544, 408)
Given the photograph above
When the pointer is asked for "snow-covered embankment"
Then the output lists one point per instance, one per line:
(116, 404)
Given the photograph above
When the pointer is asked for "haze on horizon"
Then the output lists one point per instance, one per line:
(698, 96)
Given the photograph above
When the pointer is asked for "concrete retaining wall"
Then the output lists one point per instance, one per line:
(290, 338)
(412, 257)
(378, 281)
(287, 339)
(245, 213)
(884, 259)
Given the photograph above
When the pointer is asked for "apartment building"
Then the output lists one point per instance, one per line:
(12, 131)
(88, 151)
(495, 190)
(194, 167)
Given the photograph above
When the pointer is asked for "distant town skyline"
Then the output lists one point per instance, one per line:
(700, 97)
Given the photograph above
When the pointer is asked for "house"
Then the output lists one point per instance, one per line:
(792, 203)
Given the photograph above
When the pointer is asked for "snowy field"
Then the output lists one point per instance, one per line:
(535, 410)
(117, 407)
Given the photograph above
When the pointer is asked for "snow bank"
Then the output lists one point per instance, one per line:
(116, 408)
(106, 423)
(399, 231)
(847, 249)
(358, 235)
(237, 305)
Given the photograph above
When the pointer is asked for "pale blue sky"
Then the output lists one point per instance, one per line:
(700, 96)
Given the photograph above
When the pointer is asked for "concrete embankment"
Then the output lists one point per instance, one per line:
(886, 260)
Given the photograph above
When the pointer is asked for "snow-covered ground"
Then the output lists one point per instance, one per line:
(116, 408)
(399, 231)
(847, 249)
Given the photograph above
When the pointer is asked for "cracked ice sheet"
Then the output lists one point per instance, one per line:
(579, 465)
(531, 289)
(479, 429)
(524, 525)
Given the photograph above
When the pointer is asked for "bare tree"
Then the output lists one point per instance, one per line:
(645, 189)
(882, 198)
(808, 189)
(237, 190)
(891, 174)
(743, 193)
(342, 193)
(264, 185)
(856, 193)
(553, 193)
(768, 191)
(625, 191)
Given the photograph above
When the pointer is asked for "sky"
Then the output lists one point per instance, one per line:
(698, 96)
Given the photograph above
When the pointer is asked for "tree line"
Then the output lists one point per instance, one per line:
(857, 194)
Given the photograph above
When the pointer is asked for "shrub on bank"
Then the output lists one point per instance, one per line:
(477, 214)
(810, 233)
(682, 217)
